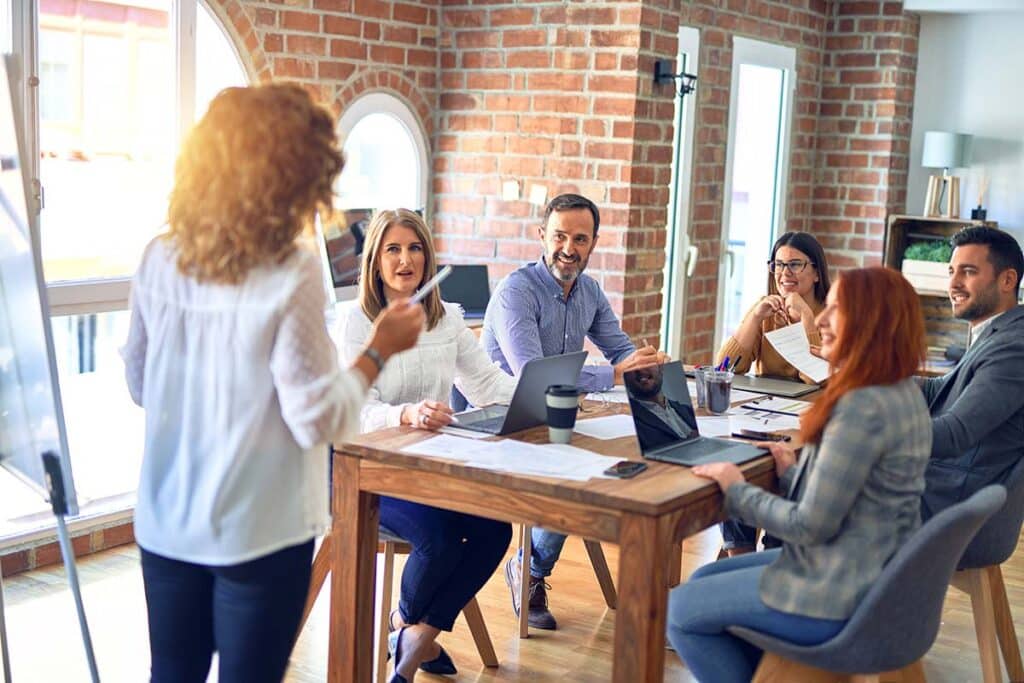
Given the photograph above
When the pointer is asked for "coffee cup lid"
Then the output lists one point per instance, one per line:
(562, 390)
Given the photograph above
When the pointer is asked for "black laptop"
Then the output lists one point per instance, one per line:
(666, 425)
(469, 287)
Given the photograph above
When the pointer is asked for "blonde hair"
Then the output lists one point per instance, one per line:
(371, 285)
(248, 179)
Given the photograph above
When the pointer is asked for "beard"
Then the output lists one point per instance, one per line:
(981, 305)
(565, 270)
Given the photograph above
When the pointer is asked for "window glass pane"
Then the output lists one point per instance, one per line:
(382, 166)
(217, 64)
(5, 26)
(106, 169)
(105, 429)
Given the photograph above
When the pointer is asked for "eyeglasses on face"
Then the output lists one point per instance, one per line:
(794, 266)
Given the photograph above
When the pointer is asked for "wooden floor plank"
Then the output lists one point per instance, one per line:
(45, 644)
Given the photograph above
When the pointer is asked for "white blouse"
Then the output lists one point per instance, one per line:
(447, 354)
(242, 391)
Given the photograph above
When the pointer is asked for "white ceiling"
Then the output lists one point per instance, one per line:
(963, 6)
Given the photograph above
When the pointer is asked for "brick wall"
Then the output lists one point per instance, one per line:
(47, 552)
(864, 127)
(340, 49)
(556, 95)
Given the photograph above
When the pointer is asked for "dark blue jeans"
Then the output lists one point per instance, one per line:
(453, 555)
(248, 613)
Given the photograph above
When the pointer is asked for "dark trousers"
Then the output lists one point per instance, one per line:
(248, 613)
(453, 555)
(736, 534)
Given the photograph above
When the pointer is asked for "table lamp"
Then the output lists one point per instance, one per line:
(944, 150)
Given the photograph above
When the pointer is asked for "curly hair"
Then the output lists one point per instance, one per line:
(248, 180)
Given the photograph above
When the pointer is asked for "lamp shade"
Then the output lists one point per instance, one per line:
(944, 150)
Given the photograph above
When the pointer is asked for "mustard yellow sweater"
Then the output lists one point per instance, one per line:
(765, 359)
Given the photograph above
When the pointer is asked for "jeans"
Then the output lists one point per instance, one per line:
(546, 548)
(249, 613)
(453, 555)
(726, 593)
(736, 534)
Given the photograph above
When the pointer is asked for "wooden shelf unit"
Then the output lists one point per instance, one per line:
(901, 231)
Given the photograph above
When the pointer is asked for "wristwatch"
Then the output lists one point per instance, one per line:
(374, 355)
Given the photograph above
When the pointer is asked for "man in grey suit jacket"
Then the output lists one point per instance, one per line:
(977, 409)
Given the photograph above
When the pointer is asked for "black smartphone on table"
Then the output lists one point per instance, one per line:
(624, 469)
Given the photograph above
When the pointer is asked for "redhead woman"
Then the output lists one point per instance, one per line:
(453, 553)
(228, 354)
(850, 502)
(797, 284)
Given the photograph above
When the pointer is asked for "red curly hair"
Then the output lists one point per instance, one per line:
(881, 339)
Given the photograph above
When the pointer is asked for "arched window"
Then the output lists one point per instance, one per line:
(386, 157)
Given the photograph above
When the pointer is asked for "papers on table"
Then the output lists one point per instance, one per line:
(560, 461)
(613, 395)
(725, 425)
(611, 427)
(774, 404)
(792, 344)
(740, 395)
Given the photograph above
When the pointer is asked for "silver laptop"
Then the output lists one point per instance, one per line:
(666, 425)
(773, 386)
(529, 406)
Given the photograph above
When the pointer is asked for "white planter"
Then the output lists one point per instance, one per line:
(927, 276)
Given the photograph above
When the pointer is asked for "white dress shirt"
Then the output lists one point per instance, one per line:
(447, 354)
(242, 391)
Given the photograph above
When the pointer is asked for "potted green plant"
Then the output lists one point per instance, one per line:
(926, 265)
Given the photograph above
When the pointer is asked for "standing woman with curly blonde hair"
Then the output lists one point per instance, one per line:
(228, 354)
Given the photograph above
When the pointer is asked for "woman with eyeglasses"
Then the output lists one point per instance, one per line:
(797, 286)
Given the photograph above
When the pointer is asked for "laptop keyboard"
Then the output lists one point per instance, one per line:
(698, 448)
(491, 424)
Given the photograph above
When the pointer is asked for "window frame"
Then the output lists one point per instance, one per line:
(383, 102)
(101, 295)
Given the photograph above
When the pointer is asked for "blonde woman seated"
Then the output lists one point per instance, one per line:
(797, 285)
(847, 506)
(453, 553)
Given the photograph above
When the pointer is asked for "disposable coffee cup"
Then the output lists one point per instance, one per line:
(701, 382)
(562, 401)
(718, 385)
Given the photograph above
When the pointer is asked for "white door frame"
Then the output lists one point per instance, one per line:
(680, 256)
(760, 53)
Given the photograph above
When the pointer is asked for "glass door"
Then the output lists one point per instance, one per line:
(757, 160)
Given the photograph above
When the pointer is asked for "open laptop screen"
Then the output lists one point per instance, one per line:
(660, 402)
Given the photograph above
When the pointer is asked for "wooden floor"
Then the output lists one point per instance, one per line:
(45, 645)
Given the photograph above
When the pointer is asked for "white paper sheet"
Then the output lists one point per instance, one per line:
(740, 395)
(776, 404)
(610, 427)
(613, 395)
(713, 426)
(792, 344)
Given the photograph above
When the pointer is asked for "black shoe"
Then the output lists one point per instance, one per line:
(442, 664)
(539, 616)
(397, 650)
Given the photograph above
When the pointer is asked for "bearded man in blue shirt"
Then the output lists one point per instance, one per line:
(548, 308)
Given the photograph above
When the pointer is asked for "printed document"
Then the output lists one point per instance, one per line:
(791, 343)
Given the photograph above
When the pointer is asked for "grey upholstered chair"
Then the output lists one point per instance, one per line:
(980, 576)
(897, 621)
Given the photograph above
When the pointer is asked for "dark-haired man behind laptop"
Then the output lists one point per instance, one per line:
(659, 420)
(978, 408)
(550, 307)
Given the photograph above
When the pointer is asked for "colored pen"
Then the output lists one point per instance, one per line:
(724, 365)
(736, 362)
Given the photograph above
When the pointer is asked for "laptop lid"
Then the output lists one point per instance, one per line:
(660, 403)
(529, 405)
(468, 286)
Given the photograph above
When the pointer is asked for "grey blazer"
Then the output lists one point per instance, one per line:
(852, 500)
(977, 415)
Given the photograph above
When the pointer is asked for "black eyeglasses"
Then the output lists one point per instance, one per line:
(795, 266)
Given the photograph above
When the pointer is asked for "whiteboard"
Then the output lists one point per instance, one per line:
(31, 416)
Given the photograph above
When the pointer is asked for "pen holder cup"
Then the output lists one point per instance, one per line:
(700, 380)
(562, 401)
(718, 387)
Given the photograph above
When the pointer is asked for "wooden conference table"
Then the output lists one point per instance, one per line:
(648, 516)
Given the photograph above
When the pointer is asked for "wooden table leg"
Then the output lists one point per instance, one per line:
(639, 654)
(356, 518)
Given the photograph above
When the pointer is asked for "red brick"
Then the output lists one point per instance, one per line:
(344, 26)
(512, 17)
(300, 21)
(523, 38)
